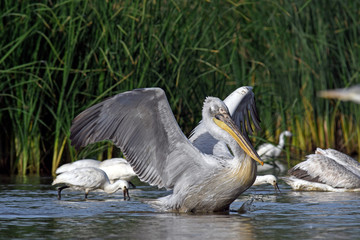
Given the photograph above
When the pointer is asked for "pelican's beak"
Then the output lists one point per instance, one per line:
(225, 122)
(126, 193)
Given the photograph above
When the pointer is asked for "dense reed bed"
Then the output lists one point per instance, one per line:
(58, 58)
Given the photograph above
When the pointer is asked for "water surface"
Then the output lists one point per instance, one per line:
(29, 209)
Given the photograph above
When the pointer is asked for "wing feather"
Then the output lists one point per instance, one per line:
(319, 168)
(142, 125)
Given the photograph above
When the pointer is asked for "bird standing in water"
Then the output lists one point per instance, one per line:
(142, 125)
(89, 179)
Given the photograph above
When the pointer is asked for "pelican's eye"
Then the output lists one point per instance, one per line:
(222, 111)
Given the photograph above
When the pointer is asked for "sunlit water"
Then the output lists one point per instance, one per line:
(29, 209)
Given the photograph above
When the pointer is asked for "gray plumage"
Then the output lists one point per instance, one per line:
(141, 124)
(330, 168)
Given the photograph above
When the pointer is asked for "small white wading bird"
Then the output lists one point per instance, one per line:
(269, 151)
(77, 164)
(118, 168)
(344, 94)
(141, 124)
(326, 170)
(115, 168)
(89, 179)
(267, 179)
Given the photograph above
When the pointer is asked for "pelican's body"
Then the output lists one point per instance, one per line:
(344, 94)
(77, 164)
(117, 168)
(267, 179)
(141, 123)
(269, 151)
(89, 179)
(326, 170)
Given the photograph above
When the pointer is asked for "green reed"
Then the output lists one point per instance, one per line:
(56, 59)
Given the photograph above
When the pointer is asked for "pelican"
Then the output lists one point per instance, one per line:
(269, 151)
(326, 170)
(77, 164)
(344, 94)
(140, 122)
(118, 168)
(89, 179)
(238, 102)
(267, 179)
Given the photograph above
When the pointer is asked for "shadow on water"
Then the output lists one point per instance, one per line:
(29, 209)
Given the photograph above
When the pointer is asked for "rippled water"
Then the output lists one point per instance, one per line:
(29, 209)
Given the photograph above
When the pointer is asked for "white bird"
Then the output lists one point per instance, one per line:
(89, 179)
(115, 168)
(77, 164)
(141, 124)
(118, 168)
(267, 179)
(326, 170)
(269, 151)
(344, 94)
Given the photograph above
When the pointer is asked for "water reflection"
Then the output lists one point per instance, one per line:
(30, 209)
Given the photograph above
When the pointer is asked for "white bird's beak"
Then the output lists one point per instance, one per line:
(225, 122)
(276, 186)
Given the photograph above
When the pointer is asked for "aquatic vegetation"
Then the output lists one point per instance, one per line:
(56, 59)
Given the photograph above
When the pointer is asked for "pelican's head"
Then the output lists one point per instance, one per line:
(124, 186)
(220, 124)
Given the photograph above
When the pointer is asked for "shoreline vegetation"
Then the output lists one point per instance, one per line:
(58, 58)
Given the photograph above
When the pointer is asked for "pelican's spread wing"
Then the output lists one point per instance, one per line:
(142, 125)
(241, 105)
(319, 168)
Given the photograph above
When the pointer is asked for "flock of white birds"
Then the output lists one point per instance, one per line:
(326, 170)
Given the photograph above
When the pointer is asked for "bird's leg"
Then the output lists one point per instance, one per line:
(126, 193)
(59, 191)
(132, 185)
(86, 194)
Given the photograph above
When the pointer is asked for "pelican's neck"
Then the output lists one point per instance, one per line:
(236, 150)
